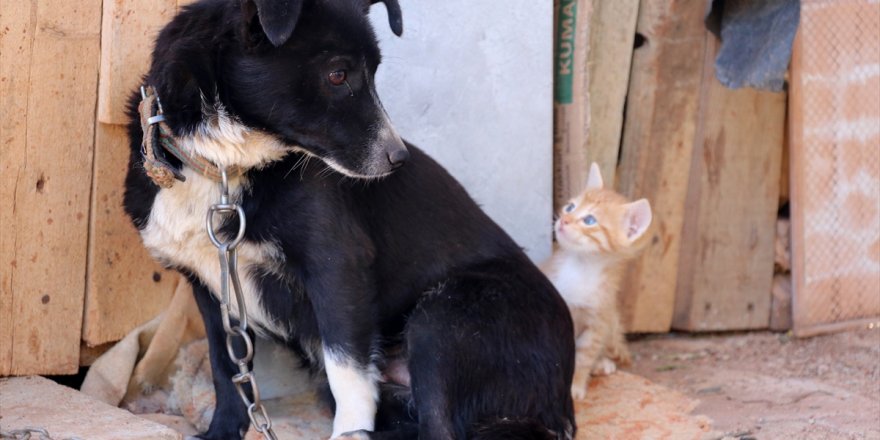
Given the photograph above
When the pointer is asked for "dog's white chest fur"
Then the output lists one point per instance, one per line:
(175, 233)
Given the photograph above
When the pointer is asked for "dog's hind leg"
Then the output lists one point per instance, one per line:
(430, 377)
(491, 357)
(230, 420)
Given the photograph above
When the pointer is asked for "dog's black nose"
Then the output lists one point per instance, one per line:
(398, 157)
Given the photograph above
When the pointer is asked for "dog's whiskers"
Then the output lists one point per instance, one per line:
(296, 164)
(327, 171)
(302, 170)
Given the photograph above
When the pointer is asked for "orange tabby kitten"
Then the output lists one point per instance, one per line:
(597, 232)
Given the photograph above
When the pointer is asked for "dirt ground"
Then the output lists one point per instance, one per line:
(772, 386)
(752, 386)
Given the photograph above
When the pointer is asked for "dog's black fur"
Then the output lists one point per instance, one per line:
(407, 258)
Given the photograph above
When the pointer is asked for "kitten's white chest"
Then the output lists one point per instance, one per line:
(175, 233)
(581, 282)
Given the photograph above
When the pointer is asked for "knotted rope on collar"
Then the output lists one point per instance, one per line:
(158, 138)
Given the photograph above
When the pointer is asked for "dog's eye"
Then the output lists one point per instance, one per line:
(337, 77)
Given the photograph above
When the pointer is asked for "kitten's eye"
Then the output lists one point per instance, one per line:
(337, 77)
(569, 207)
(590, 220)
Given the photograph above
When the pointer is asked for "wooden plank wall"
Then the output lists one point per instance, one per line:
(835, 166)
(725, 270)
(49, 51)
(125, 287)
(664, 91)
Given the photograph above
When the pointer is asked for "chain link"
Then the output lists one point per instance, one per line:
(29, 434)
(227, 253)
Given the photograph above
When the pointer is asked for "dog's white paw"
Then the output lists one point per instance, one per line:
(604, 367)
(578, 392)
(354, 435)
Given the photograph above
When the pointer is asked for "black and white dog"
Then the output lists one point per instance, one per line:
(357, 243)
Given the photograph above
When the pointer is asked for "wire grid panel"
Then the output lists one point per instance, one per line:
(839, 181)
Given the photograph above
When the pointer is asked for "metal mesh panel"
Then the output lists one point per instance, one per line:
(839, 82)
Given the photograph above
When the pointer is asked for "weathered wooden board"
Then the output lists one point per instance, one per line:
(658, 136)
(124, 287)
(49, 59)
(835, 166)
(128, 32)
(612, 33)
(728, 238)
(16, 35)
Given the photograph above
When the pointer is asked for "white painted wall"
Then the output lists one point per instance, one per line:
(470, 82)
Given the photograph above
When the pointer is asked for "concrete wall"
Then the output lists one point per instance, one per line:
(470, 83)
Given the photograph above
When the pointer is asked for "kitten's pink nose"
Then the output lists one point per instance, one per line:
(566, 220)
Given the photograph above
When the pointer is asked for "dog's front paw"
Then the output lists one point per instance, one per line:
(354, 435)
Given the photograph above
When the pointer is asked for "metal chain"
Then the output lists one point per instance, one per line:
(227, 251)
(27, 433)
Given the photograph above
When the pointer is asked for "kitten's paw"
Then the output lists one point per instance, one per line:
(578, 392)
(604, 367)
(623, 358)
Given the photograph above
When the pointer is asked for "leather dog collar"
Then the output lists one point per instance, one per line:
(158, 139)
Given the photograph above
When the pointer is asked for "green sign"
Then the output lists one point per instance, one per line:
(564, 62)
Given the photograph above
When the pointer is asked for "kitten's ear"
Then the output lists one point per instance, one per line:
(594, 181)
(636, 219)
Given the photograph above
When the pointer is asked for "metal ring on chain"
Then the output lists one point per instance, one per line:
(248, 344)
(259, 417)
(225, 208)
(246, 377)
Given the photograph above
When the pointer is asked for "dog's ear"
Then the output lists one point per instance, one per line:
(395, 17)
(277, 18)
